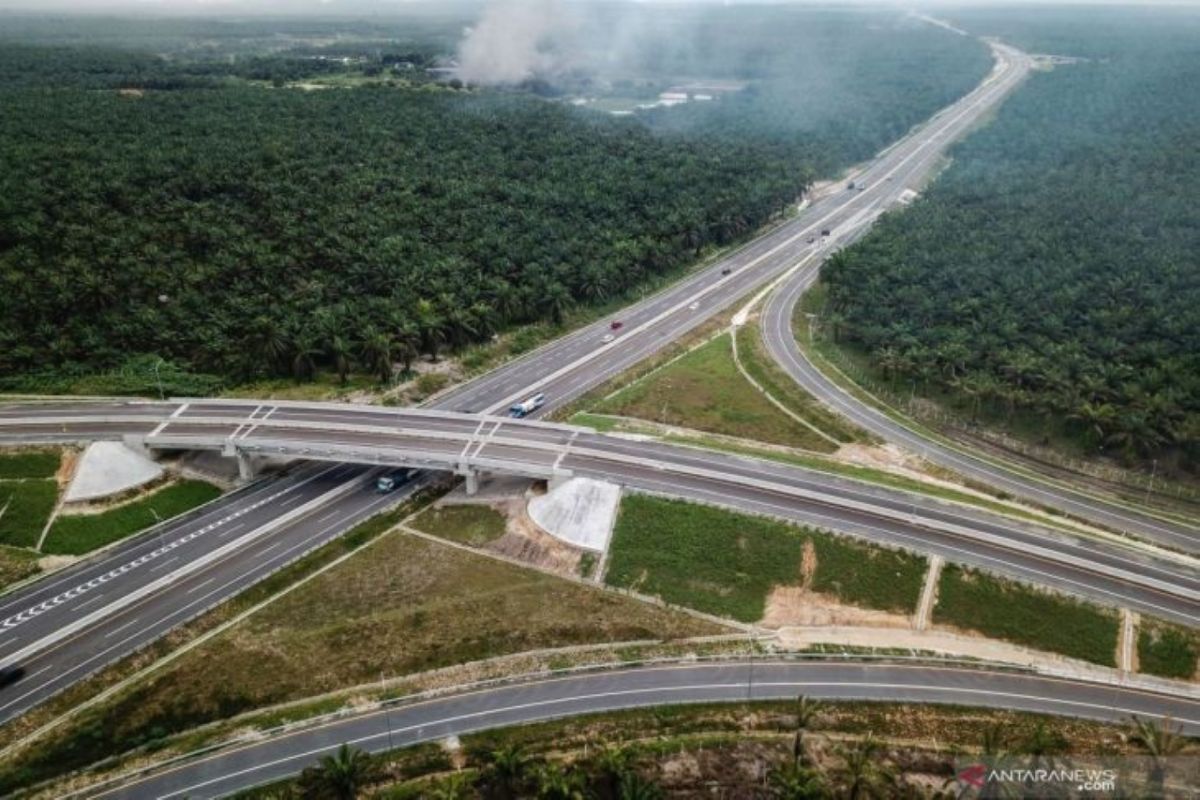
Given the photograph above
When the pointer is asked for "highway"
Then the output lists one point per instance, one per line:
(1109, 572)
(564, 370)
(80, 619)
(579, 361)
(776, 322)
(277, 757)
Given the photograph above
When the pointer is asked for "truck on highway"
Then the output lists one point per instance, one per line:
(527, 406)
(388, 482)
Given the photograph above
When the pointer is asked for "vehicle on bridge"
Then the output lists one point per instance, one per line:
(527, 406)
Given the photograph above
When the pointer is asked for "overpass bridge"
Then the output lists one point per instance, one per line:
(1105, 570)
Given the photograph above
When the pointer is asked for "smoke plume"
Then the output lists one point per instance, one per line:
(516, 40)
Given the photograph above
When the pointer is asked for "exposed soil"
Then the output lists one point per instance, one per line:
(525, 541)
(795, 605)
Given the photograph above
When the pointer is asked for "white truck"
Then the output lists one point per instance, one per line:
(527, 406)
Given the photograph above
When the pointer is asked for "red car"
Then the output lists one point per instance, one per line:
(616, 325)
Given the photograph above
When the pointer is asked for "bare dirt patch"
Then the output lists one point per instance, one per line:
(796, 605)
(525, 541)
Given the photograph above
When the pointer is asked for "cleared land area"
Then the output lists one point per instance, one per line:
(1168, 650)
(81, 533)
(726, 563)
(1021, 614)
(703, 390)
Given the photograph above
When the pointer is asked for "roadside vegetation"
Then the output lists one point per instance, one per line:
(1168, 650)
(474, 525)
(445, 234)
(403, 605)
(27, 505)
(726, 563)
(1072, 324)
(75, 534)
(16, 565)
(34, 463)
(763, 369)
(1004, 609)
(802, 748)
(703, 390)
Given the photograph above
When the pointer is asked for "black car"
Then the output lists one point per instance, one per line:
(10, 675)
(825, 231)
(726, 271)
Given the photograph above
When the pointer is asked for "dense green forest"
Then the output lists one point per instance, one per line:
(240, 231)
(1051, 276)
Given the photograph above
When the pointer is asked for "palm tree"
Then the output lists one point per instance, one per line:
(507, 773)
(339, 350)
(807, 711)
(610, 768)
(377, 353)
(304, 355)
(796, 782)
(430, 327)
(554, 782)
(635, 787)
(862, 774)
(1160, 741)
(453, 788)
(339, 776)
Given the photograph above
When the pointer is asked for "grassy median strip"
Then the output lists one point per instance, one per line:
(759, 364)
(29, 464)
(81, 533)
(704, 390)
(16, 565)
(25, 505)
(1005, 609)
(1168, 650)
(726, 563)
(473, 525)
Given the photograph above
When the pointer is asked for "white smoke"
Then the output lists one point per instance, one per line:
(516, 40)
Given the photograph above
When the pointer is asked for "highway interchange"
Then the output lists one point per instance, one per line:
(274, 521)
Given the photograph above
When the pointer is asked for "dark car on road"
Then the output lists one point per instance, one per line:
(10, 675)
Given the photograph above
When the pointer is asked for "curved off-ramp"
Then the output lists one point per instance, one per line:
(278, 757)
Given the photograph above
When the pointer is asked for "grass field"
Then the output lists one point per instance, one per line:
(403, 605)
(1017, 613)
(29, 464)
(1168, 650)
(704, 390)
(26, 505)
(759, 364)
(16, 565)
(469, 525)
(74, 535)
(726, 563)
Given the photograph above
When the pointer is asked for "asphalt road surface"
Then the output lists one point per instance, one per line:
(780, 342)
(279, 757)
(563, 369)
(1110, 572)
(73, 623)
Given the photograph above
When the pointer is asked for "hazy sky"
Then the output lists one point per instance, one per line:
(384, 6)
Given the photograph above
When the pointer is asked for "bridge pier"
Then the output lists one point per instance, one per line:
(472, 479)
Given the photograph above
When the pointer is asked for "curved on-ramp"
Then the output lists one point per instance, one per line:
(280, 756)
